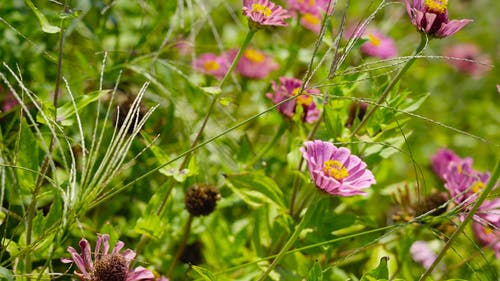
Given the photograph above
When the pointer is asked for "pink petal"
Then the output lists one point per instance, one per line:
(140, 273)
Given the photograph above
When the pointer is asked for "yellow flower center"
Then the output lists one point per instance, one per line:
(311, 19)
(372, 38)
(211, 65)
(460, 169)
(310, 2)
(436, 6)
(477, 187)
(302, 99)
(254, 56)
(263, 9)
(487, 230)
(335, 169)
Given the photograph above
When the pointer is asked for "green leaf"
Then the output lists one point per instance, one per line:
(5, 274)
(256, 189)
(151, 225)
(28, 158)
(205, 273)
(315, 274)
(67, 110)
(381, 272)
(46, 26)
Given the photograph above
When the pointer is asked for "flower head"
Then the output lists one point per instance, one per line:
(421, 253)
(264, 13)
(201, 199)
(106, 266)
(309, 6)
(463, 182)
(335, 170)
(442, 159)
(253, 64)
(289, 87)
(486, 225)
(431, 17)
(378, 45)
(467, 58)
(211, 64)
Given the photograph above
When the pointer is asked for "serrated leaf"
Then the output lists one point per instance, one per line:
(381, 272)
(315, 274)
(46, 26)
(205, 273)
(256, 189)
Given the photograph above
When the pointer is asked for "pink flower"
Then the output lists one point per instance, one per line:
(335, 170)
(488, 235)
(311, 21)
(422, 254)
(431, 17)
(467, 52)
(443, 158)
(309, 6)
(264, 13)
(8, 100)
(289, 87)
(378, 45)
(211, 64)
(253, 63)
(464, 183)
(106, 266)
(498, 88)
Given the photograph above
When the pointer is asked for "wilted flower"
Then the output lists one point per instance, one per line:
(443, 158)
(211, 64)
(289, 87)
(201, 199)
(335, 170)
(463, 182)
(467, 58)
(431, 17)
(253, 63)
(264, 13)
(106, 266)
(378, 45)
(422, 254)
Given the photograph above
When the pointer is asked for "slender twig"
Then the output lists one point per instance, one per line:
(182, 245)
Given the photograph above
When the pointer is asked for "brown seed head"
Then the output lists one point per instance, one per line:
(110, 268)
(201, 199)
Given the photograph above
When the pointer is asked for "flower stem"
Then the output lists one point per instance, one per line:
(279, 133)
(182, 246)
(394, 81)
(468, 218)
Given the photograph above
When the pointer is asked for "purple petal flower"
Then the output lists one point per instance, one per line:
(311, 21)
(486, 225)
(211, 64)
(422, 254)
(253, 64)
(8, 100)
(264, 13)
(113, 266)
(463, 54)
(309, 6)
(431, 17)
(378, 45)
(442, 159)
(289, 87)
(335, 170)
(463, 182)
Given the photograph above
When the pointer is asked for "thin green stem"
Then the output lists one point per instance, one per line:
(492, 182)
(182, 246)
(394, 81)
(279, 133)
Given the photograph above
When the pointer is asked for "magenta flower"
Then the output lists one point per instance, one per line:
(311, 21)
(464, 183)
(211, 64)
(335, 170)
(106, 266)
(309, 6)
(431, 17)
(462, 54)
(264, 13)
(443, 158)
(488, 235)
(378, 45)
(422, 254)
(253, 64)
(289, 87)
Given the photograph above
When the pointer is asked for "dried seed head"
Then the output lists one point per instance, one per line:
(110, 268)
(201, 199)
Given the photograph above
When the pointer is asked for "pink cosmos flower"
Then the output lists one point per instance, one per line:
(289, 87)
(378, 45)
(422, 254)
(443, 158)
(431, 17)
(106, 266)
(253, 64)
(335, 170)
(463, 182)
(488, 235)
(264, 13)
(468, 52)
(211, 64)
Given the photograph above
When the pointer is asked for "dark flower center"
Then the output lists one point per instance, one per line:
(111, 268)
